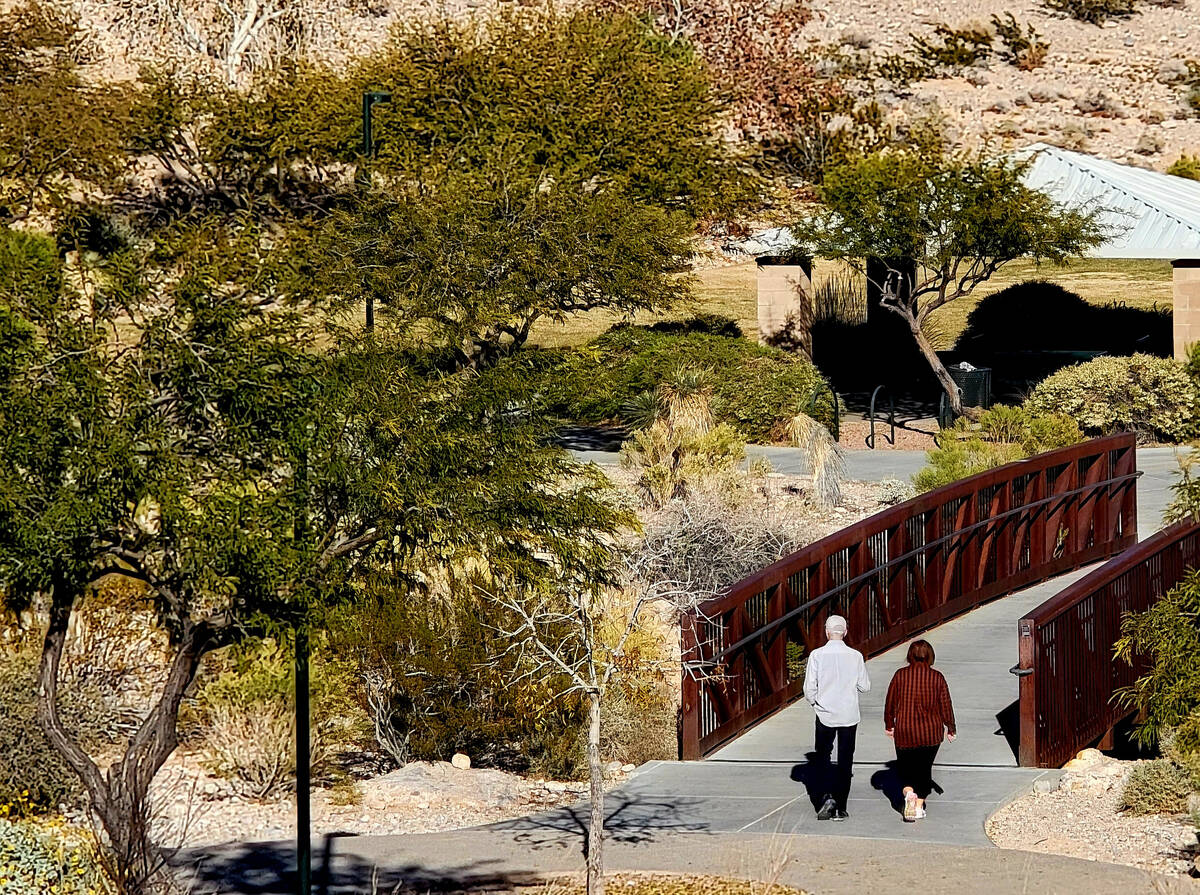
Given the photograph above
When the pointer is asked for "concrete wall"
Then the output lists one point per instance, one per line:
(785, 310)
(1186, 306)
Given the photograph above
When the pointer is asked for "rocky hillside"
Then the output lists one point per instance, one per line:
(1116, 89)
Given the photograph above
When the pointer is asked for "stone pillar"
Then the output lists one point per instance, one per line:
(1186, 305)
(877, 272)
(785, 311)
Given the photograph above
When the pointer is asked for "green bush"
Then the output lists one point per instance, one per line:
(436, 677)
(33, 777)
(755, 388)
(1186, 166)
(1002, 434)
(244, 717)
(1151, 396)
(36, 859)
(1156, 787)
(1168, 695)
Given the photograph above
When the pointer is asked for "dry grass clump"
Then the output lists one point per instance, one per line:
(671, 884)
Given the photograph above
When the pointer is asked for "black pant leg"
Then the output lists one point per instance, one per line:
(905, 769)
(846, 737)
(926, 754)
(824, 749)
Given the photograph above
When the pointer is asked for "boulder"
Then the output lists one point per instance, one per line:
(461, 761)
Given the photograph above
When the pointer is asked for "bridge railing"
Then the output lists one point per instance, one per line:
(899, 572)
(1068, 676)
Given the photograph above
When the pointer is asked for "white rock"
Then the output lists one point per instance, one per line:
(556, 786)
(461, 761)
(628, 768)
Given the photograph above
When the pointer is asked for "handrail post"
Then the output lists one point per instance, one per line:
(1027, 752)
(689, 695)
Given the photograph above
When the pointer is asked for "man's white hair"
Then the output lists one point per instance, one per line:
(835, 624)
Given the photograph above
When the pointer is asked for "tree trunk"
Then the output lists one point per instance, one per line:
(935, 363)
(595, 841)
(121, 798)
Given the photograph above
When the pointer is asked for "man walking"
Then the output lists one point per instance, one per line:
(833, 678)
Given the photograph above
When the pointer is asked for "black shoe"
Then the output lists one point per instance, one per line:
(828, 809)
(840, 814)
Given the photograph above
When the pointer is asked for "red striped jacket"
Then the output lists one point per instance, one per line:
(918, 707)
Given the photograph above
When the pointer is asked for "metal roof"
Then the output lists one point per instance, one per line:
(1153, 215)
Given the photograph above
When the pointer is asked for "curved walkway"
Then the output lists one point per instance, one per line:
(749, 799)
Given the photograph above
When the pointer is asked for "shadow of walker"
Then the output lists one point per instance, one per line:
(887, 780)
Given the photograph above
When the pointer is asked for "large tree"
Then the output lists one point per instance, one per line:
(244, 471)
(957, 218)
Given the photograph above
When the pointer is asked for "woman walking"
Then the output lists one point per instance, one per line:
(917, 714)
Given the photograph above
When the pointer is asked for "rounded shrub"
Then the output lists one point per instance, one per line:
(39, 858)
(1152, 396)
(1156, 787)
(1038, 316)
(756, 389)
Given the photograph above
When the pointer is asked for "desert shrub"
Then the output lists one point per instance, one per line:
(1151, 396)
(244, 718)
(1156, 787)
(1000, 435)
(959, 459)
(668, 464)
(893, 491)
(437, 676)
(1022, 47)
(39, 858)
(1043, 316)
(949, 50)
(33, 776)
(954, 47)
(754, 386)
(1095, 12)
(1186, 166)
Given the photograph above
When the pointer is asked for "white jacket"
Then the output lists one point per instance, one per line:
(833, 678)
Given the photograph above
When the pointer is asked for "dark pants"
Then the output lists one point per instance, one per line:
(836, 783)
(915, 767)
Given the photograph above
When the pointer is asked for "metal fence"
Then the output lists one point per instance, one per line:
(1068, 675)
(900, 572)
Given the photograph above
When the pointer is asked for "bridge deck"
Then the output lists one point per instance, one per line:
(974, 652)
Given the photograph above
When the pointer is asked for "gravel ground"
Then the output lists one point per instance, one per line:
(422, 797)
(1080, 820)
(913, 436)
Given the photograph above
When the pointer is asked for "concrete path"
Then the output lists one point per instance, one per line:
(1158, 466)
(821, 865)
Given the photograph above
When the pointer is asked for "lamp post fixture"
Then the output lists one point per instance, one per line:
(368, 147)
